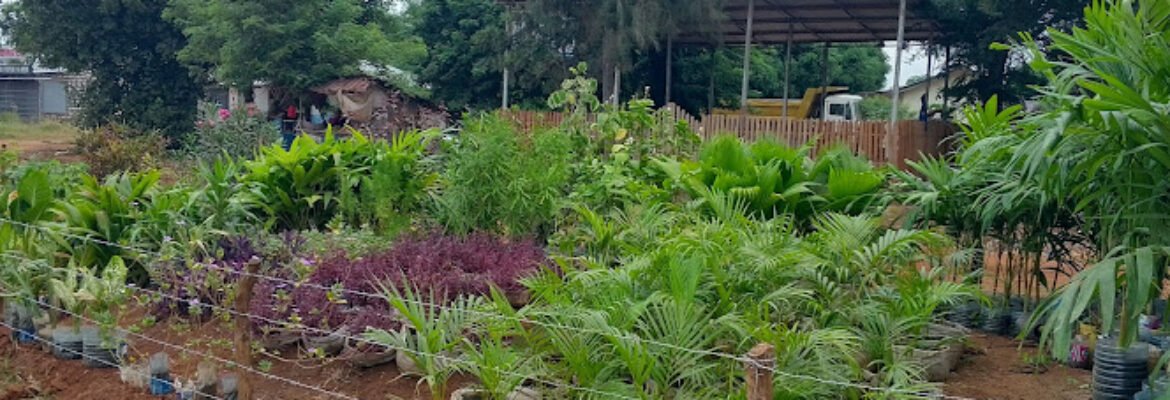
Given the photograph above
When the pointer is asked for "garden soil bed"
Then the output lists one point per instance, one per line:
(992, 374)
(35, 373)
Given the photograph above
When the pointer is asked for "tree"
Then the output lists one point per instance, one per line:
(610, 33)
(128, 49)
(291, 45)
(970, 27)
(464, 46)
(469, 45)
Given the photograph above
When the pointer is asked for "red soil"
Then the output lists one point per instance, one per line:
(997, 371)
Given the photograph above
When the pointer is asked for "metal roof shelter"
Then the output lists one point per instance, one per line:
(774, 22)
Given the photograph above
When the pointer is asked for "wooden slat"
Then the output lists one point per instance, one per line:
(865, 138)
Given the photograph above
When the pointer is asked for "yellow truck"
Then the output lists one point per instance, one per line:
(837, 106)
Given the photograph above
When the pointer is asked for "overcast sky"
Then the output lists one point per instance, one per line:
(913, 62)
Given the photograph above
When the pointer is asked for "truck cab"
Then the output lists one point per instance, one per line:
(841, 107)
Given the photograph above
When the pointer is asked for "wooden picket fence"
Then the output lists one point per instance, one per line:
(866, 138)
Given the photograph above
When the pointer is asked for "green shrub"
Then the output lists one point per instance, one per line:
(497, 180)
(105, 214)
(239, 135)
(877, 108)
(116, 148)
(397, 186)
(766, 179)
(304, 187)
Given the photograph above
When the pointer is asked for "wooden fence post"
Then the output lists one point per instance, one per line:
(243, 334)
(758, 366)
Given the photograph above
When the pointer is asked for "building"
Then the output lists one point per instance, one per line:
(911, 95)
(34, 92)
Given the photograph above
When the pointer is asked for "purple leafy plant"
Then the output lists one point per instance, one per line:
(446, 265)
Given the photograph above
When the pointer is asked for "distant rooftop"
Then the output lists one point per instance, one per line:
(13, 62)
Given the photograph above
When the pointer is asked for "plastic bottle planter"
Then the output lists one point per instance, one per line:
(99, 351)
(161, 385)
(25, 333)
(997, 321)
(227, 387)
(67, 344)
(521, 393)
(1155, 391)
(1020, 321)
(21, 319)
(968, 315)
(1148, 327)
(160, 375)
(1118, 373)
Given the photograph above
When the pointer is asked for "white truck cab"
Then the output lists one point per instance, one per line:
(841, 107)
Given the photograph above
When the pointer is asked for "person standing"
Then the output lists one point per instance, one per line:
(288, 127)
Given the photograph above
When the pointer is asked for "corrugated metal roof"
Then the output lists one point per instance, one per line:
(351, 85)
(834, 21)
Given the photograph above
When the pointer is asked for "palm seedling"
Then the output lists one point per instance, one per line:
(431, 336)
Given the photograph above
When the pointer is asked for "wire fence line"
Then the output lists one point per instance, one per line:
(95, 359)
(361, 339)
(196, 353)
(704, 352)
(440, 357)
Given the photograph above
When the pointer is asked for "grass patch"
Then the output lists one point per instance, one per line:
(12, 128)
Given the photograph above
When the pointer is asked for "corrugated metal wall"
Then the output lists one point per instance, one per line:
(54, 98)
(22, 97)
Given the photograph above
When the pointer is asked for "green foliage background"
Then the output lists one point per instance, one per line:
(128, 49)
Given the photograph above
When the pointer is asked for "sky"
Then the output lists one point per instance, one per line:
(913, 62)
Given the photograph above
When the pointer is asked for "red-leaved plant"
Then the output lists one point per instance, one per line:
(446, 265)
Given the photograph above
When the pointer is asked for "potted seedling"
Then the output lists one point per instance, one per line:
(428, 340)
(160, 375)
(64, 289)
(21, 284)
(368, 355)
(500, 369)
(104, 296)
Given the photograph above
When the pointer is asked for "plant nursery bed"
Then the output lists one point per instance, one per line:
(38, 375)
(32, 374)
(993, 374)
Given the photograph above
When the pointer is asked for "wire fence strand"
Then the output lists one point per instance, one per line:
(202, 354)
(543, 324)
(97, 360)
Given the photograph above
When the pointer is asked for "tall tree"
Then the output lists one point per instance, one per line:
(463, 39)
(292, 45)
(970, 27)
(609, 33)
(127, 47)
